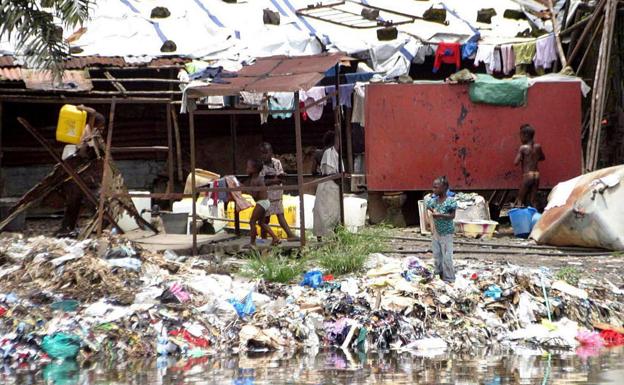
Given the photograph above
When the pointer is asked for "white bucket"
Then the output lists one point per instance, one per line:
(126, 222)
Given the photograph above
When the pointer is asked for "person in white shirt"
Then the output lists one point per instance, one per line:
(327, 204)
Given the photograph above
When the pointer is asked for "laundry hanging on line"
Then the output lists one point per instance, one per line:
(346, 92)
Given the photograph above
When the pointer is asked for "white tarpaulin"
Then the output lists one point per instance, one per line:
(215, 29)
(585, 211)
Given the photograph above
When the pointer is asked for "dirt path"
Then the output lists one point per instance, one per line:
(609, 265)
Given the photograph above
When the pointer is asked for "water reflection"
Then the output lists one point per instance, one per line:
(332, 367)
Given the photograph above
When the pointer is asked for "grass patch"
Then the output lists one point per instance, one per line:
(569, 274)
(346, 252)
(273, 267)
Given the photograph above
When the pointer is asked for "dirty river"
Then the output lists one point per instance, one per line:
(335, 367)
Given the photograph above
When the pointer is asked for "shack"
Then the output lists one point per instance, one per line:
(145, 59)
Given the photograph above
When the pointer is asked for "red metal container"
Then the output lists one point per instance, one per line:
(415, 132)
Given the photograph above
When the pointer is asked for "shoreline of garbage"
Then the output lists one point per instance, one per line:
(67, 299)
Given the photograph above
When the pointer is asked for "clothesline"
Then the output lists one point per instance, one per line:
(503, 57)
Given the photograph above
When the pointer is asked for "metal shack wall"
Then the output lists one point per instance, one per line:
(415, 132)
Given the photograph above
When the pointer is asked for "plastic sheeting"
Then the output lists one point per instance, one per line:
(218, 30)
(507, 92)
(586, 211)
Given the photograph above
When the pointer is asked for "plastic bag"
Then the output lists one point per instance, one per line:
(312, 278)
(244, 308)
(127, 263)
(494, 292)
(61, 345)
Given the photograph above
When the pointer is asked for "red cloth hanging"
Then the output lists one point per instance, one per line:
(448, 53)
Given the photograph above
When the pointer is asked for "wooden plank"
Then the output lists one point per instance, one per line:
(193, 187)
(302, 234)
(169, 150)
(116, 84)
(105, 176)
(176, 131)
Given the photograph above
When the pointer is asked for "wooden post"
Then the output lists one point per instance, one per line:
(234, 140)
(553, 19)
(592, 39)
(105, 176)
(176, 128)
(1, 154)
(589, 28)
(193, 187)
(349, 140)
(302, 238)
(169, 150)
(598, 92)
(338, 133)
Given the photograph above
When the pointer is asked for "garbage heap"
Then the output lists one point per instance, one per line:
(64, 299)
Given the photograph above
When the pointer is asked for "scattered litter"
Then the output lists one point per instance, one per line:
(91, 301)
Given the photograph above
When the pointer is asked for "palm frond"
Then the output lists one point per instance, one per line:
(36, 34)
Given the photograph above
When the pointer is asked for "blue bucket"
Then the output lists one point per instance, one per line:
(521, 221)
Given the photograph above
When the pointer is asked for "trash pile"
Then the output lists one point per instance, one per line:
(65, 299)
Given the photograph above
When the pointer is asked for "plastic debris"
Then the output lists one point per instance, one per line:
(245, 307)
(61, 345)
(172, 308)
(127, 263)
(494, 292)
(313, 279)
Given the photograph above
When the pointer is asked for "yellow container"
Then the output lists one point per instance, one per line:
(71, 124)
(290, 213)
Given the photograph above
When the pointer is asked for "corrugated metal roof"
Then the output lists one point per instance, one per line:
(72, 81)
(7, 61)
(10, 73)
(94, 61)
(273, 74)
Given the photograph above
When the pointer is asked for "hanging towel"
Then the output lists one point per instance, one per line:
(422, 51)
(509, 61)
(346, 91)
(449, 53)
(359, 97)
(545, 51)
(311, 96)
(281, 101)
(256, 99)
(524, 53)
(490, 56)
(252, 98)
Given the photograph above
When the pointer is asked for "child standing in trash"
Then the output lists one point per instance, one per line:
(262, 203)
(528, 157)
(442, 208)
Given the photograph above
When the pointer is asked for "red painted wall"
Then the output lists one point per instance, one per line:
(415, 132)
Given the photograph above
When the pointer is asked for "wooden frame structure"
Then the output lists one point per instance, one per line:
(260, 81)
(313, 71)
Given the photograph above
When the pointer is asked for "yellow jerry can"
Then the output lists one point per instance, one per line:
(71, 124)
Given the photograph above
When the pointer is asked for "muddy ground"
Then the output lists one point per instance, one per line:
(507, 250)
(520, 252)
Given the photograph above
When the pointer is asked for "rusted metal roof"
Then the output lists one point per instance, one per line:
(82, 62)
(10, 73)
(7, 61)
(72, 80)
(273, 74)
